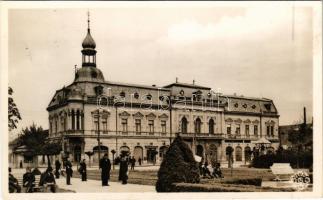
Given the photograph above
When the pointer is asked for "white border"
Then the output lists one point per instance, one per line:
(317, 102)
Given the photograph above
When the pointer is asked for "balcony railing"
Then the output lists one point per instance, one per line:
(199, 135)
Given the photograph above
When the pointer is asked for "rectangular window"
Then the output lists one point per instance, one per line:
(104, 125)
(163, 126)
(268, 131)
(50, 127)
(247, 130)
(272, 131)
(238, 129)
(229, 129)
(124, 123)
(138, 126)
(96, 125)
(151, 126)
(255, 130)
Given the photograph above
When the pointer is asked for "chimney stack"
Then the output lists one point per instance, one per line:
(193, 82)
(176, 80)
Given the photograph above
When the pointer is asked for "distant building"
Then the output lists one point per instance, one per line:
(147, 118)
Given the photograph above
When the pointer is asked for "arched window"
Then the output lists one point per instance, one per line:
(198, 125)
(211, 126)
(184, 125)
(73, 120)
(238, 153)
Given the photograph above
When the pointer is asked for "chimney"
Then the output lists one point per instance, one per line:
(193, 82)
(176, 80)
(305, 115)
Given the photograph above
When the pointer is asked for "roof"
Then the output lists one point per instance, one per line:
(88, 41)
(246, 98)
(187, 85)
(136, 85)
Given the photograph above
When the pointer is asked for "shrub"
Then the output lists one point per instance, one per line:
(191, 187)
(177, 166)
(249, 181)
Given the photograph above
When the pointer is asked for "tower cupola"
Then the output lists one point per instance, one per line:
(88, 51)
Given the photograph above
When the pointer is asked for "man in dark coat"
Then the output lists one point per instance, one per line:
(82, 170)
(133, 163)
(123, 171)
(69, 171)
(57, 168)
(47, 179)
(29, 181)
(13, 183)
(105, 167)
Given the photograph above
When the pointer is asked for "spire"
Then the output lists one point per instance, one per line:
(88, 44)
(88, 20)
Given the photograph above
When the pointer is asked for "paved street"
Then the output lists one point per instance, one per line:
(95, 186)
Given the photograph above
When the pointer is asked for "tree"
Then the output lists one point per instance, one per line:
(177, 166)
(13, 112)
(51, 148)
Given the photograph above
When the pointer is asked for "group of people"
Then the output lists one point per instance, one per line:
(209, 171)
(105, 168)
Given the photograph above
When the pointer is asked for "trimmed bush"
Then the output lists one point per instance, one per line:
(178, 166)
(191, 187)
(249, 181)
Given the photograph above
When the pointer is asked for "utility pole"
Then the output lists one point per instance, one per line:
(99, 142)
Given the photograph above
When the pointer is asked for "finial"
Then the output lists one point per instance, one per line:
(88, 20)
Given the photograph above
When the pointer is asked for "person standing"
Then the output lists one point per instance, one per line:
(139, 161)
(29, 181)
(105, 167)
(82, 170)
(57, 168)
(69, 171)
(20, 164)
(123, 174)
(133, 163)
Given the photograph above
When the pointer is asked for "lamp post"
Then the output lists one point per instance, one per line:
(113, 152)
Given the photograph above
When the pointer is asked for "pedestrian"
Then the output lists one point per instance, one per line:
(20, 164)
(29, 181)
(36, 171)
(69, 171)
(123, 171)
(139, 161)
(133, 163)
(57, 168)
(82, 170)
(47, 179)
(13, 183)
(217, 173)
(105, 167)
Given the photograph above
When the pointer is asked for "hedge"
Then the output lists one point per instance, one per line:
(249, 181)
(191, 187)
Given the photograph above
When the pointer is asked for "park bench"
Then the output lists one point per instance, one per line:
(282, 171)
(37, 187)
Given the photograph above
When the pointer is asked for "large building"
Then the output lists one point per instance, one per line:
(93, 113)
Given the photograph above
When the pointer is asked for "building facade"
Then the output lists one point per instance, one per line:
(95, 115)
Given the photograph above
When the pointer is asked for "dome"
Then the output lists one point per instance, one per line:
(88, 41)
(91, 74)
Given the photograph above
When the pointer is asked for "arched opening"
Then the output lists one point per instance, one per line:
(247, 154)
(199, 150)
(213, 153)
(138, 153)
(162, 152)
(198, 123)
(229, 152)
(103, 150)
(238, 153)
(184, 125)
(211, 126)
(77, 153)
(124, 150)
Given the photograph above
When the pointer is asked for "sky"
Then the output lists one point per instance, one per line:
(256, 51)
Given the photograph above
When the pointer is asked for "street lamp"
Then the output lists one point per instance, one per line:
(113, 152)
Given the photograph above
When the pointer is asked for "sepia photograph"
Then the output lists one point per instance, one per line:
(162, 98)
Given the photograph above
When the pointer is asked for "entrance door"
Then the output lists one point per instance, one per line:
(151, 155)
(77, 154)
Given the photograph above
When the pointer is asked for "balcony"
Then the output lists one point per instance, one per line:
(202, 135)
(241, 137)
(129, 134)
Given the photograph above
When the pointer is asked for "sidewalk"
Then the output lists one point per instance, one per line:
(95, 186)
